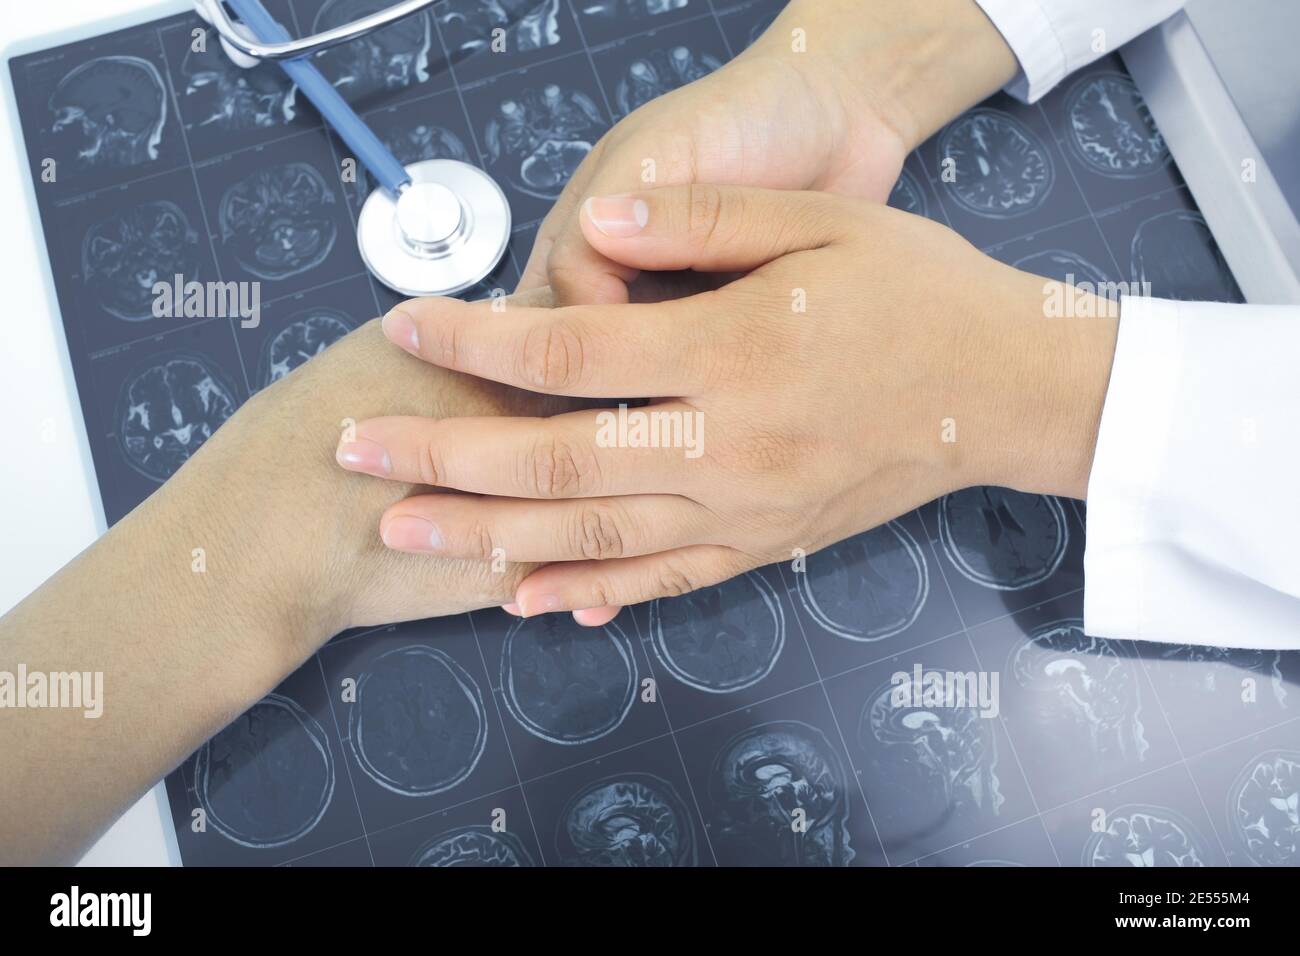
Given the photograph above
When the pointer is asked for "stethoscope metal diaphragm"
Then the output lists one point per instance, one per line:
(445, 231)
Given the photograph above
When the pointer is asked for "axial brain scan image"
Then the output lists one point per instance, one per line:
(1144, 836)
(720, 639)
(168, 410)
(473, 846)
(869, 587)
(268, 778)
(226, 97)
(764, 779)
(660, 72)
(1264, 808)
(277, 221)
(1002, 539)
(540, 138)
(122, 257)
(1176, 255)
(306, 335)
(1113, 132)
(566, 683)
(632, 820)
(113, 110)
(935, 761)
(469, 25)
(908, 196)
(393, 58)
(1002, 168)
(418, 724)
(1082, 692)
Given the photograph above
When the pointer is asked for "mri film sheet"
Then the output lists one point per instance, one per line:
(779, 718)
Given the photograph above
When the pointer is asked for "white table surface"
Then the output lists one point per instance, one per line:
(50, 504)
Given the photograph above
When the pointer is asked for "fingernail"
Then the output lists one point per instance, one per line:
(512, 609)
(590, 616)
(408, 533)
(619, 217)
(400, 329)
(365, 456)
(545, 604)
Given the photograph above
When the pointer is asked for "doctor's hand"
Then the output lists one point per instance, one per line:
(868, 362)
(831, 98)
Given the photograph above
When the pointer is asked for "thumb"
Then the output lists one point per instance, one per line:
(710, 228)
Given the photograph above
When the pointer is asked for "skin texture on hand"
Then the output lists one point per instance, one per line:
(831, 98)
(290, 556)
(870, 362)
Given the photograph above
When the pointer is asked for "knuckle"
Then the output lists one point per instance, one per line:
(704, 211)
(597, 535)
(555, 470)
(429, 465)
(673, 581)
(551, 359)
(480, 542)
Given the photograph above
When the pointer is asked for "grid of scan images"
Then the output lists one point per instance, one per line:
(749, 723)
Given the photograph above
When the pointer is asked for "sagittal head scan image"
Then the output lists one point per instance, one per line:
(1112, 129)
(418, 725)
(1264, 808)
(1145, 836)
(170, 408)
(123, 256)
(276, 221)
(768, 776)
(631, 820)
(1000, 167)
(748, 722)
(268, 778)
(473, 846)
(110, 112)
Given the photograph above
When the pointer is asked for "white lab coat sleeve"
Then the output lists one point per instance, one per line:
(1193, 523)
(1053, 38)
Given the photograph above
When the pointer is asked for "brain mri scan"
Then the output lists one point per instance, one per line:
(908, 196)
(226, 97)
(1063, 266)
(632, 820)
(1264, 808)
(473, 846)
(468, 26)
(869, 587)
(1002, 539)
(168, 410)
(123, 256)
(565, 683)
(1082, 693)
(1144, 836)
(1209, 670)
(540, 137)
(1002, 168)
(306, 335)
(720, 639)
(660, 72)
(764, 781)
(936, 762)
(1176, 254)
(418, 726)
(1112, 129)
(393, 58)
(277, 222)
(112, 111)
(629, 9)
(267, 779)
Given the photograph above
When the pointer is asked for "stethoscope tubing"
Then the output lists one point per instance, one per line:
(351, 128)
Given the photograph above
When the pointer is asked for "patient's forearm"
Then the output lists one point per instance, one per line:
(205, 597)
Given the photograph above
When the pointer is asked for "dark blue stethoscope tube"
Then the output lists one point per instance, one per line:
(372, 153)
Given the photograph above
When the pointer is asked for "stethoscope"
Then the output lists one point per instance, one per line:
(436, 227)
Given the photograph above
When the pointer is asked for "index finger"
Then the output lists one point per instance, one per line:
(618, 351)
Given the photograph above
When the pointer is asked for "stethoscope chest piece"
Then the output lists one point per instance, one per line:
(443, 233)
